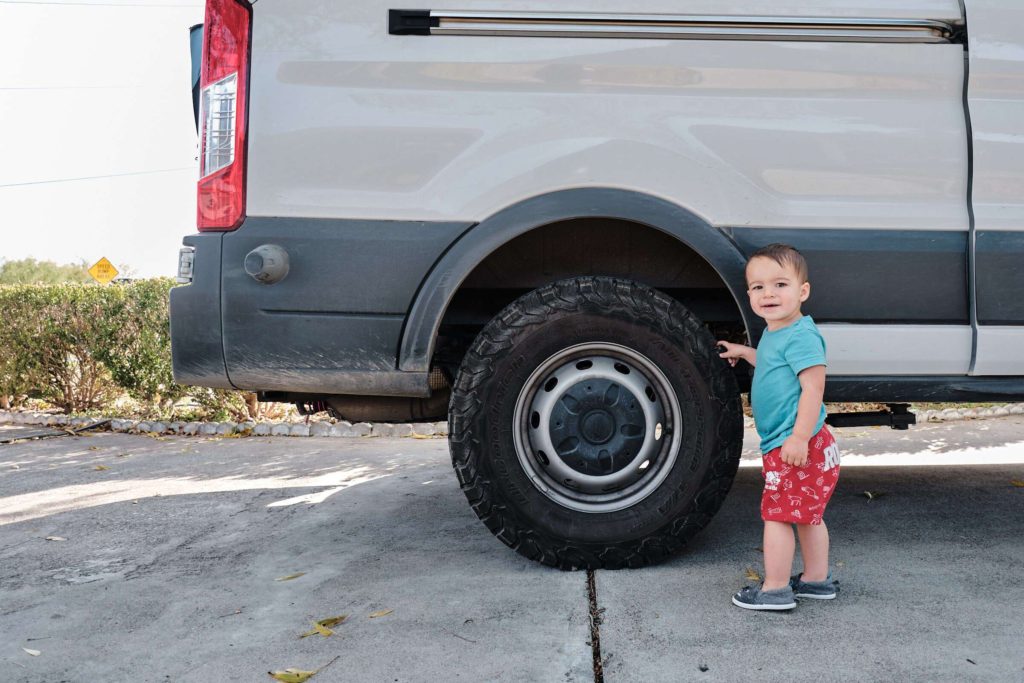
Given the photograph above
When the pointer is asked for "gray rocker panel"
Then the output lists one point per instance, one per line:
(925, 389)
(877, 276)
(1000, 277)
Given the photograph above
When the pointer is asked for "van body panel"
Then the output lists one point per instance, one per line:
(353, 122)
(381, 164)
(995, 96)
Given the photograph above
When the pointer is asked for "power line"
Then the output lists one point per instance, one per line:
(82, 87)
(97, 177)
(93, 4)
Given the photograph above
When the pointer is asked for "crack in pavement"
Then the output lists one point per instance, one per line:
(595, 627)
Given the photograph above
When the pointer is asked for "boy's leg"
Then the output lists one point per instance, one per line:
(814, 550)
(779, 548)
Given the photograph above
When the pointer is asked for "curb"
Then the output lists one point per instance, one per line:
(419, 430)
(342, 429)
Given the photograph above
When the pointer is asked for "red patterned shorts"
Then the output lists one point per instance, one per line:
(799, 494)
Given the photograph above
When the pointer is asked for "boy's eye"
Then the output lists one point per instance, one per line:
(783, 284)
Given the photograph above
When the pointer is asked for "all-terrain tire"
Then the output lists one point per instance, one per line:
(646, 334)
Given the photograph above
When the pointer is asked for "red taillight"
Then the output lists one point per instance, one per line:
(224, 97)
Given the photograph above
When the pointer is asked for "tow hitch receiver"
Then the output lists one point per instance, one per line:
(898, 416)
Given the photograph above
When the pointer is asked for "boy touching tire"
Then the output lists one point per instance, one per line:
(800, 456)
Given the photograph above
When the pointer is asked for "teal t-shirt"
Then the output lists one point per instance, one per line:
(775, 392)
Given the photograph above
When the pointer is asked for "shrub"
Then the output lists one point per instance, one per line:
(136, 342)
(81, 346)
(78, 346)
(52, 336)
(21, 371)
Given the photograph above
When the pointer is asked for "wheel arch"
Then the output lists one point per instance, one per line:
(443, 281)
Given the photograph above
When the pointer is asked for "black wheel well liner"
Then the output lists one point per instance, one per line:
(438, 288)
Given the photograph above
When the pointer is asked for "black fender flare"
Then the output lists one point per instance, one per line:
(481, 240)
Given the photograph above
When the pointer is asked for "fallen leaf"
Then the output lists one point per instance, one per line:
(94, 448)
(972, 661)
(292, 675)
(290, 576)
(34, 653)
(55, 538)
(333, 621)
(123, 455)
(760, 550)
(298, 675)
(1018, 483)
(752, 575)
(100, 468)
(420, 436)
(871, 495)
(381, 613)
(323, 627)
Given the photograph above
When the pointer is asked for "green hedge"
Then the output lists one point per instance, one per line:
(80, 346)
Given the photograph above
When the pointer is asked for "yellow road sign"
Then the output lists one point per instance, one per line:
(103, 271)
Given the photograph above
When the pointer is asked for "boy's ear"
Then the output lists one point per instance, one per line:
(805, 291)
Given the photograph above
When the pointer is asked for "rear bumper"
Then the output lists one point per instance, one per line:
(197, 348)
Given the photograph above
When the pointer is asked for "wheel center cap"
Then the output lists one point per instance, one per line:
(598, 426)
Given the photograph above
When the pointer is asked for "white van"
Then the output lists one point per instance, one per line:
(533, 218)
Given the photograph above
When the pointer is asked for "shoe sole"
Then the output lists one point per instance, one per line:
(816, 597)
(746, 605)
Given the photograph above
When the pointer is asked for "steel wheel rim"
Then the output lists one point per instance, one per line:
(586, 391)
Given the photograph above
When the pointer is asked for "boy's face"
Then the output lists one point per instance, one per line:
(775, 291)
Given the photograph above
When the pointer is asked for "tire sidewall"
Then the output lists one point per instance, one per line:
(679, 346)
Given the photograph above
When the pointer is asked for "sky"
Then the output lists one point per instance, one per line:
(98, 152)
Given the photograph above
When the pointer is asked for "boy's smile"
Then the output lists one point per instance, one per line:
(775, 292)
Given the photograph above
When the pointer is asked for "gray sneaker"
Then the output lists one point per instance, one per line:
(750, 597)
(815, 590)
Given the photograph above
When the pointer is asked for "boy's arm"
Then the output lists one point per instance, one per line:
(812, 389)
(734, 352)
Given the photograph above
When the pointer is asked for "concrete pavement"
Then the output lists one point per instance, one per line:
(174, 546)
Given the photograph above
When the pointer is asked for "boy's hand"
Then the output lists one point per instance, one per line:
(794, 451)
(733, 352)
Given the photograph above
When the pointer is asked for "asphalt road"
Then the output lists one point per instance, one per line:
(174, 550)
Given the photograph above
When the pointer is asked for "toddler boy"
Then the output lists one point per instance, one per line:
(800, 457)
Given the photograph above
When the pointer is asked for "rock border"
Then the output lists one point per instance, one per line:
(341, 428)
(320, 428)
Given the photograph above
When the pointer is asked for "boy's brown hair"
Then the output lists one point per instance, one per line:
(784, 255)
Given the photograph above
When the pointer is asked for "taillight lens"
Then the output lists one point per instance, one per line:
(224, 97)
